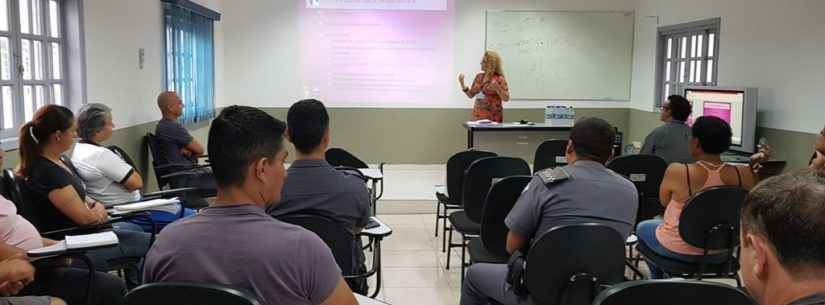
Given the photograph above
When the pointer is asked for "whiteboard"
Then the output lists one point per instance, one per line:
(564, 55)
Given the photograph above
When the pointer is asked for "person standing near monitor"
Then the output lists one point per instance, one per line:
(489, 89)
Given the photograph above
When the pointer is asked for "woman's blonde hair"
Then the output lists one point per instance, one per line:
(494, 60)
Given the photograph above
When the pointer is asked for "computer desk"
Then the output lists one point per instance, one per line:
(472, 128)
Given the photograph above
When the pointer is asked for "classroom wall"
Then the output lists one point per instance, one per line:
(775, 45)
(114, 32)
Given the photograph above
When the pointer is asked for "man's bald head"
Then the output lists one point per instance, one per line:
(170, 104)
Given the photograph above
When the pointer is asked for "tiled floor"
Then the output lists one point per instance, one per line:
(413, 264)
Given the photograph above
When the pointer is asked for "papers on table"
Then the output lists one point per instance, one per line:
(144, 205)
(75, 242)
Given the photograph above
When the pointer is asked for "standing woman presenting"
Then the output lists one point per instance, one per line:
(489, 89)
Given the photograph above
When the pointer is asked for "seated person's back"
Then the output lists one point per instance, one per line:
(234, 242)
(314, 185)
(670, 141)
(583, 192)
(711, 137)
(591, 193)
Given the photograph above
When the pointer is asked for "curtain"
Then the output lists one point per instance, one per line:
(190, 61)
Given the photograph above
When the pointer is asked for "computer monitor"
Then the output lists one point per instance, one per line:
(737, 106)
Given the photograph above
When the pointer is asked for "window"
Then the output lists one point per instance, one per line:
(188, 29)
(688, 55)
(32, 60)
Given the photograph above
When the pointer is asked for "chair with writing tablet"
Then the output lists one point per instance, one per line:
(188, 293)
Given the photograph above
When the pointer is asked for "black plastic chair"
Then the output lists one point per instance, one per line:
(178, 175)
(549, 154)
(771, 168)
(123, 155)
(672, 292)
(188, 293)
(340, 157)
(3, 186)
(11, 189)
(456, 166)
(478, 179)
(646, 172)
(340, 241)
(710, 221)
(491, 247)
(570, 264)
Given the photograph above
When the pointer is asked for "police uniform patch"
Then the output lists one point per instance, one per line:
(552, 176)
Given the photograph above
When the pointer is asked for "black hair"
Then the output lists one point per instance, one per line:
(593, 139)
(713, 133)
(680, 107)
(308, 121)
(239, 136)
(34, 135)
(789, 211)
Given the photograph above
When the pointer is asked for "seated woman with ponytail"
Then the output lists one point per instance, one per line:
(58, 197)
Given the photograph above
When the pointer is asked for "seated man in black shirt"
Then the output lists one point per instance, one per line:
(314, 185)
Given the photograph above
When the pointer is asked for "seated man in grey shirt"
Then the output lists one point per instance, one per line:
(583, 192)
(313, 186)
(670, 141)
(234, 242)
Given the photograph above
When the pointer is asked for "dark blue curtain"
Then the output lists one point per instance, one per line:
(190, 58)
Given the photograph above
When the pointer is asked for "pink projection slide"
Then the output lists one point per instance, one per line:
(717, 109)
(377, 52)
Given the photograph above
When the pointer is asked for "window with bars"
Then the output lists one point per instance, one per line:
(688, 56)
(190, 57)
(32, 65)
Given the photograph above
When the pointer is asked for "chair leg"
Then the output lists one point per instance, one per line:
(450, 248)
(437, 215)
(463, 256)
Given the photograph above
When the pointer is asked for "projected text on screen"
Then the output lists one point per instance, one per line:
(377, 52)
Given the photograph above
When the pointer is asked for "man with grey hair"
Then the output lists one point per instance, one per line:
(783, 240)
(108, 177)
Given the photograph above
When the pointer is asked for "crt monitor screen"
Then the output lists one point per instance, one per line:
(726, 105)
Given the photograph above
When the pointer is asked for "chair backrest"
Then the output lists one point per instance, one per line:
(340, 157)
(672, 292)
(645, 171)
(549, 154)
(188, 293)
(351, 171)
(771, 168)
(710, 219)
(481, 175)
(4, 186)
(500, 200)
(122, 154)
(151, 145)
(11, 189)
(338, 238)
(568, 264)
(456, 167)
